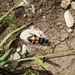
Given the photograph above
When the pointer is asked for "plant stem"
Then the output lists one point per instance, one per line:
(48, 55)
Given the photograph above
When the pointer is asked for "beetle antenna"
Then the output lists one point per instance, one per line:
(47, 42)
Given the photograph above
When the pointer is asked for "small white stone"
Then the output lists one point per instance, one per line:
(70, 30)
(23, 49)
(27, 5)
(18, 49)
(15, 56)
(25, 15)
(44, 16)
(33, 8)
(40, 10)
(69, 19)
(65, 3)
(73, 5)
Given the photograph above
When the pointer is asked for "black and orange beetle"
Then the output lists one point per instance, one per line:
(37, 40)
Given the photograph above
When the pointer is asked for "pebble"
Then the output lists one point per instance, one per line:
(26, 5)
(44, 16)
(65, 3)
(18, 49)
(24, 15)
(70, 30)
(69, 19)
(25, 49)
(73, 5)
(14, 56)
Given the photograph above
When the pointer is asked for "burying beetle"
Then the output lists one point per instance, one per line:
(34, 39)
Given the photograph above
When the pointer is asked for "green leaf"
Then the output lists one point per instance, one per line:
(6, 55)
(37, 74)
(9, 21)
(40, 62)
(4, 39)
(1, 74)
(3, 62)
(71, 74)
(32, 74)
(14, 31)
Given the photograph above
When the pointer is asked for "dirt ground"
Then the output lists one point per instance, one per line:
(48, 17)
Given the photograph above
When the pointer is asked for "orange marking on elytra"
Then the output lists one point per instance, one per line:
(33, 41)
(37, 38)
(36, 42)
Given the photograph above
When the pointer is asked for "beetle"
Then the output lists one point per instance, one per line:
(37, 40)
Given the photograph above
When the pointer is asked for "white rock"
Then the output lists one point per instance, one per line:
(70, 30)
(27, 5)
(24, 15)
(33, 8)
(69, 19)
(40, 10)
(29, 32)
(25, 49)
(44, 16)
(65, 3)
(18, 49)
(73, 5)
(13, 64)
(15, 56)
